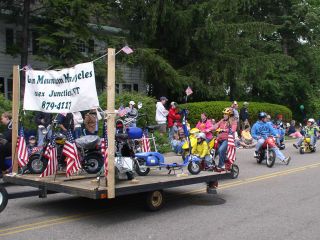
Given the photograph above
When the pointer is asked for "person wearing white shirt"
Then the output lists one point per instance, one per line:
(161, 114)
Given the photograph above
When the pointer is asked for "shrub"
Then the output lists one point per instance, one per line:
(214, 110)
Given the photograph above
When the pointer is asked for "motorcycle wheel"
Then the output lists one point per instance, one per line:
(271, 159)
(194, 168)
(36, 165)
(140, 169)
(234, 171)
(93, 163)
(301, 150)
(3, 198)
(130, 175)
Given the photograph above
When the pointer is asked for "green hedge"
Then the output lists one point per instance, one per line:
(214, 110)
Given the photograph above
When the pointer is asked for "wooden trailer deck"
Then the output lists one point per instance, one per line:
(89, 187)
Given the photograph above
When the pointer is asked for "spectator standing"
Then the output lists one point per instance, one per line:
(65, 122)
(91, 122)
(6, 140)
(132, 114)
(244, 115)
(161, 114)
(78, 121)
(173, 119)
(43, 120)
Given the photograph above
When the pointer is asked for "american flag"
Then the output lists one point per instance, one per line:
(145, 142)
(22, 149)
(127, 50)
(71, 153)
(104, 148)
(122, 111)
(189, 91)
(51, 155)
(231, 150)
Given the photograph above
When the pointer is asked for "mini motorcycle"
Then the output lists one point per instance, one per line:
(306, 146)
(266, 152)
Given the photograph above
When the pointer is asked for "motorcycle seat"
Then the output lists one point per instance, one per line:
(121, 136)
(88, 141)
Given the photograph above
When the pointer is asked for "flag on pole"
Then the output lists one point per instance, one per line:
(145, 142)
(231, 150)
(189, 91)
(104, 148)
(51, 155)
(71, 153)
(122, 111)
(127, 50)
(22, 149)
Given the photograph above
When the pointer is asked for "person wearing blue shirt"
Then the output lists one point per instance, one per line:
(261, 130)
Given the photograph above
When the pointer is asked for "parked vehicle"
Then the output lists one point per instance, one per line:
(88, 150)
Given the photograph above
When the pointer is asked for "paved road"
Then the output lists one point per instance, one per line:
(263, 203)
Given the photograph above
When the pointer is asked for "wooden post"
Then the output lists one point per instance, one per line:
(111, 121)
(15, 115)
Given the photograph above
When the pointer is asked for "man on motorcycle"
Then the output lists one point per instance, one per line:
(226, 124)
(260, 131)
(132, 114)
(310, 130)
(201, 148)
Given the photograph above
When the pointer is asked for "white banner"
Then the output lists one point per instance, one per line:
(69, 90)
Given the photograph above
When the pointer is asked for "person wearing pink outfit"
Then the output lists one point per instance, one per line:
(205, 126)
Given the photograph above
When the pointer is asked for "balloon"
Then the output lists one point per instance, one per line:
(301, 107)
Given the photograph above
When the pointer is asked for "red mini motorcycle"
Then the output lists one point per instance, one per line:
(266, 152)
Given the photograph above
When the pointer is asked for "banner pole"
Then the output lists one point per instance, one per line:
(15, 115)
(110, 83)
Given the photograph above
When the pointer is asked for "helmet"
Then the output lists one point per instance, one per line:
(228, 111)
(201, 135)
(311, 120)
(262, 115)
(194, 130)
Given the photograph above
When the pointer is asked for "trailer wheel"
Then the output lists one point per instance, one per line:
(234, 171)
(155, 200)
(3, 198)
(194, 168)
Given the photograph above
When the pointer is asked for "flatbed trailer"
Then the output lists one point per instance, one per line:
(90, 187)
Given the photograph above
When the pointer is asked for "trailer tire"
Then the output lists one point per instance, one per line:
(3, 198)
(194, 168)
(234, 171)
(154, 200)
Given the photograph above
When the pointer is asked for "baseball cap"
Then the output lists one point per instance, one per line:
(32, 137)
(132, 103)
(235, 102)
(163, 98)
(174, 104)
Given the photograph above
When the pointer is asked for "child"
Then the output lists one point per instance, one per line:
(176, 144)
(246, 138)
(32, 143)
(202, 149)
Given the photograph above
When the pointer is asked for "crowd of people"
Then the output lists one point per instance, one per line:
(205, 133)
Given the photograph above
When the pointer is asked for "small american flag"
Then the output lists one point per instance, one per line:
(71, 153)
(231, 150)
(189, 91)
(122, 111)
(51, 155)
(127, 50)
(22, 149)
(104, 148)
(146, 142)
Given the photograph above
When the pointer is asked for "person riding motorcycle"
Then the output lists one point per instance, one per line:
(201, 148)
(311, 130)
(260, 131)
(226, 125)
